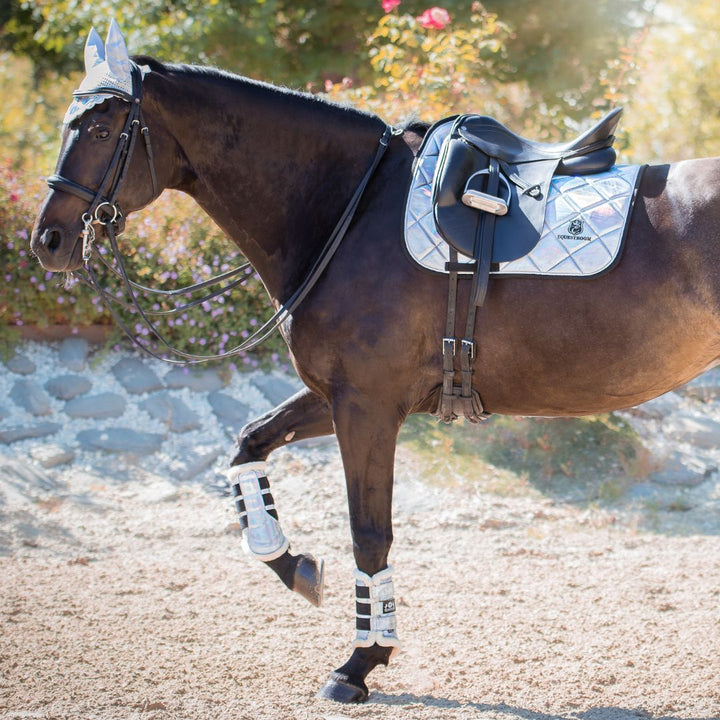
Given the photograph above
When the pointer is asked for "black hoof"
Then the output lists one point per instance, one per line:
(309, 579)
(340, 689)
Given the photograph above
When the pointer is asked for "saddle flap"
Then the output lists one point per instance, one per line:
(517, 230)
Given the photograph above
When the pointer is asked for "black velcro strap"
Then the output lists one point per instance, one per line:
(362, 592)
(362, 623)
(264, 483)
(268, 500)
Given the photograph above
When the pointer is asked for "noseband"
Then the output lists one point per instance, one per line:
(104, 208)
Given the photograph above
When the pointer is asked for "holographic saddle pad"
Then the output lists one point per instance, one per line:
(583, 231)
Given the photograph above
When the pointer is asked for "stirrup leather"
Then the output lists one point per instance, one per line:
(262, 535)
(375, 610)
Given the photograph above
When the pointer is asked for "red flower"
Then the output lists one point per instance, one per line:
(13, 197)
(389, 5)
(434, 17)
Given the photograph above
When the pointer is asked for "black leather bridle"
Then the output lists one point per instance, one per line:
(103, 205)
(104, 210)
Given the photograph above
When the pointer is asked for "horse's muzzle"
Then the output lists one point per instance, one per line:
(55, 251)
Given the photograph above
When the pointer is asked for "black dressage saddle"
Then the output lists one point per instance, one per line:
(491, 186)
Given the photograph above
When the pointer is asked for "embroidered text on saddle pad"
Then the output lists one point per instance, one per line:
(582, 234)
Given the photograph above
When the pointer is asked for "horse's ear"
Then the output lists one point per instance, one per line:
(94, 51)
(116, 53)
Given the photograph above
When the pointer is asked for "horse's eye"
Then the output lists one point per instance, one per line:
(102, 133)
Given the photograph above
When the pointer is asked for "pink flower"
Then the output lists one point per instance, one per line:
(434, 17)
(13, 197)
(389, 5)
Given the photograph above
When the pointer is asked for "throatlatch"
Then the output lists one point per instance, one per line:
(262, 536)
(375, 610)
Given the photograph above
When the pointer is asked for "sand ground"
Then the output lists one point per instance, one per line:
(129, 597)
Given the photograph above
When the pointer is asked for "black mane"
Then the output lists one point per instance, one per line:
(229, 78)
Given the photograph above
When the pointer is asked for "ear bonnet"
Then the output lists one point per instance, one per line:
(107, 68)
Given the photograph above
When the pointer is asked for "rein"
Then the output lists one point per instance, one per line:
(105, 211)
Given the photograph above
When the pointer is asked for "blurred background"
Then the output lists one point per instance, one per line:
(544, 67)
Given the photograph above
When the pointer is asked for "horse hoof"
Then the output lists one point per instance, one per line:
(340, 689)
(309, 579)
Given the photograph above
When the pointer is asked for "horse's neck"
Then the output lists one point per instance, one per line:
(273, 169)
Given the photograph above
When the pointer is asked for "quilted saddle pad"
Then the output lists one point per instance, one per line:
(583, 231)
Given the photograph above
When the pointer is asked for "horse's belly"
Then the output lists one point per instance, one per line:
(594, 363)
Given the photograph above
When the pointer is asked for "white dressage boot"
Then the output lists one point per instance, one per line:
(262, 536)
(375, 610)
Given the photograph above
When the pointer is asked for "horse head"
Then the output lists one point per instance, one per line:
(105, 168)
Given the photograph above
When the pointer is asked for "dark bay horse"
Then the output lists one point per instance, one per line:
(275, 169)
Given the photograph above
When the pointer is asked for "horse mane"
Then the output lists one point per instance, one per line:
(230, 79)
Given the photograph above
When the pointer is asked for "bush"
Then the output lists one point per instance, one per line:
(170, 245)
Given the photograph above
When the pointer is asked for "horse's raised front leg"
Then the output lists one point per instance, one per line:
(367, 435)
(304, 415)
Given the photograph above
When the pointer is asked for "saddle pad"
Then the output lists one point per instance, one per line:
(582, 234)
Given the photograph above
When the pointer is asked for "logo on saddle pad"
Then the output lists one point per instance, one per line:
(575, 228)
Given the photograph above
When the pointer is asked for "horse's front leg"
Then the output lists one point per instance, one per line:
(304, 415)
(367, 435)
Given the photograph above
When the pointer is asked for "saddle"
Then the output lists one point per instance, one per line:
(489, 194)
(491, 186)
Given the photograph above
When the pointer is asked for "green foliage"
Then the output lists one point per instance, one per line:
(674, 95)
(560, 51)
(586, 459)
(429, 70)
(556, 48)
(28, 294)
(30, 116)
(539, 77)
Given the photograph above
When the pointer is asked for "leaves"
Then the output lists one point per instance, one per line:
(424, 69)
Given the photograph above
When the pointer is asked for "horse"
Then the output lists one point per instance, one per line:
(275, 169)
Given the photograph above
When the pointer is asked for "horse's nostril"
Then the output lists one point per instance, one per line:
(51, 239)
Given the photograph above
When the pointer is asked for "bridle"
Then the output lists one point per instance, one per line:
(104, 210)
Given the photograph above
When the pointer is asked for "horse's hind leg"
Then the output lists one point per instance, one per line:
(367, 435)
(304, 415)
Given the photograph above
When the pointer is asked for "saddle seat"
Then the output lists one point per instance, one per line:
(491, 185)
(496, 140)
